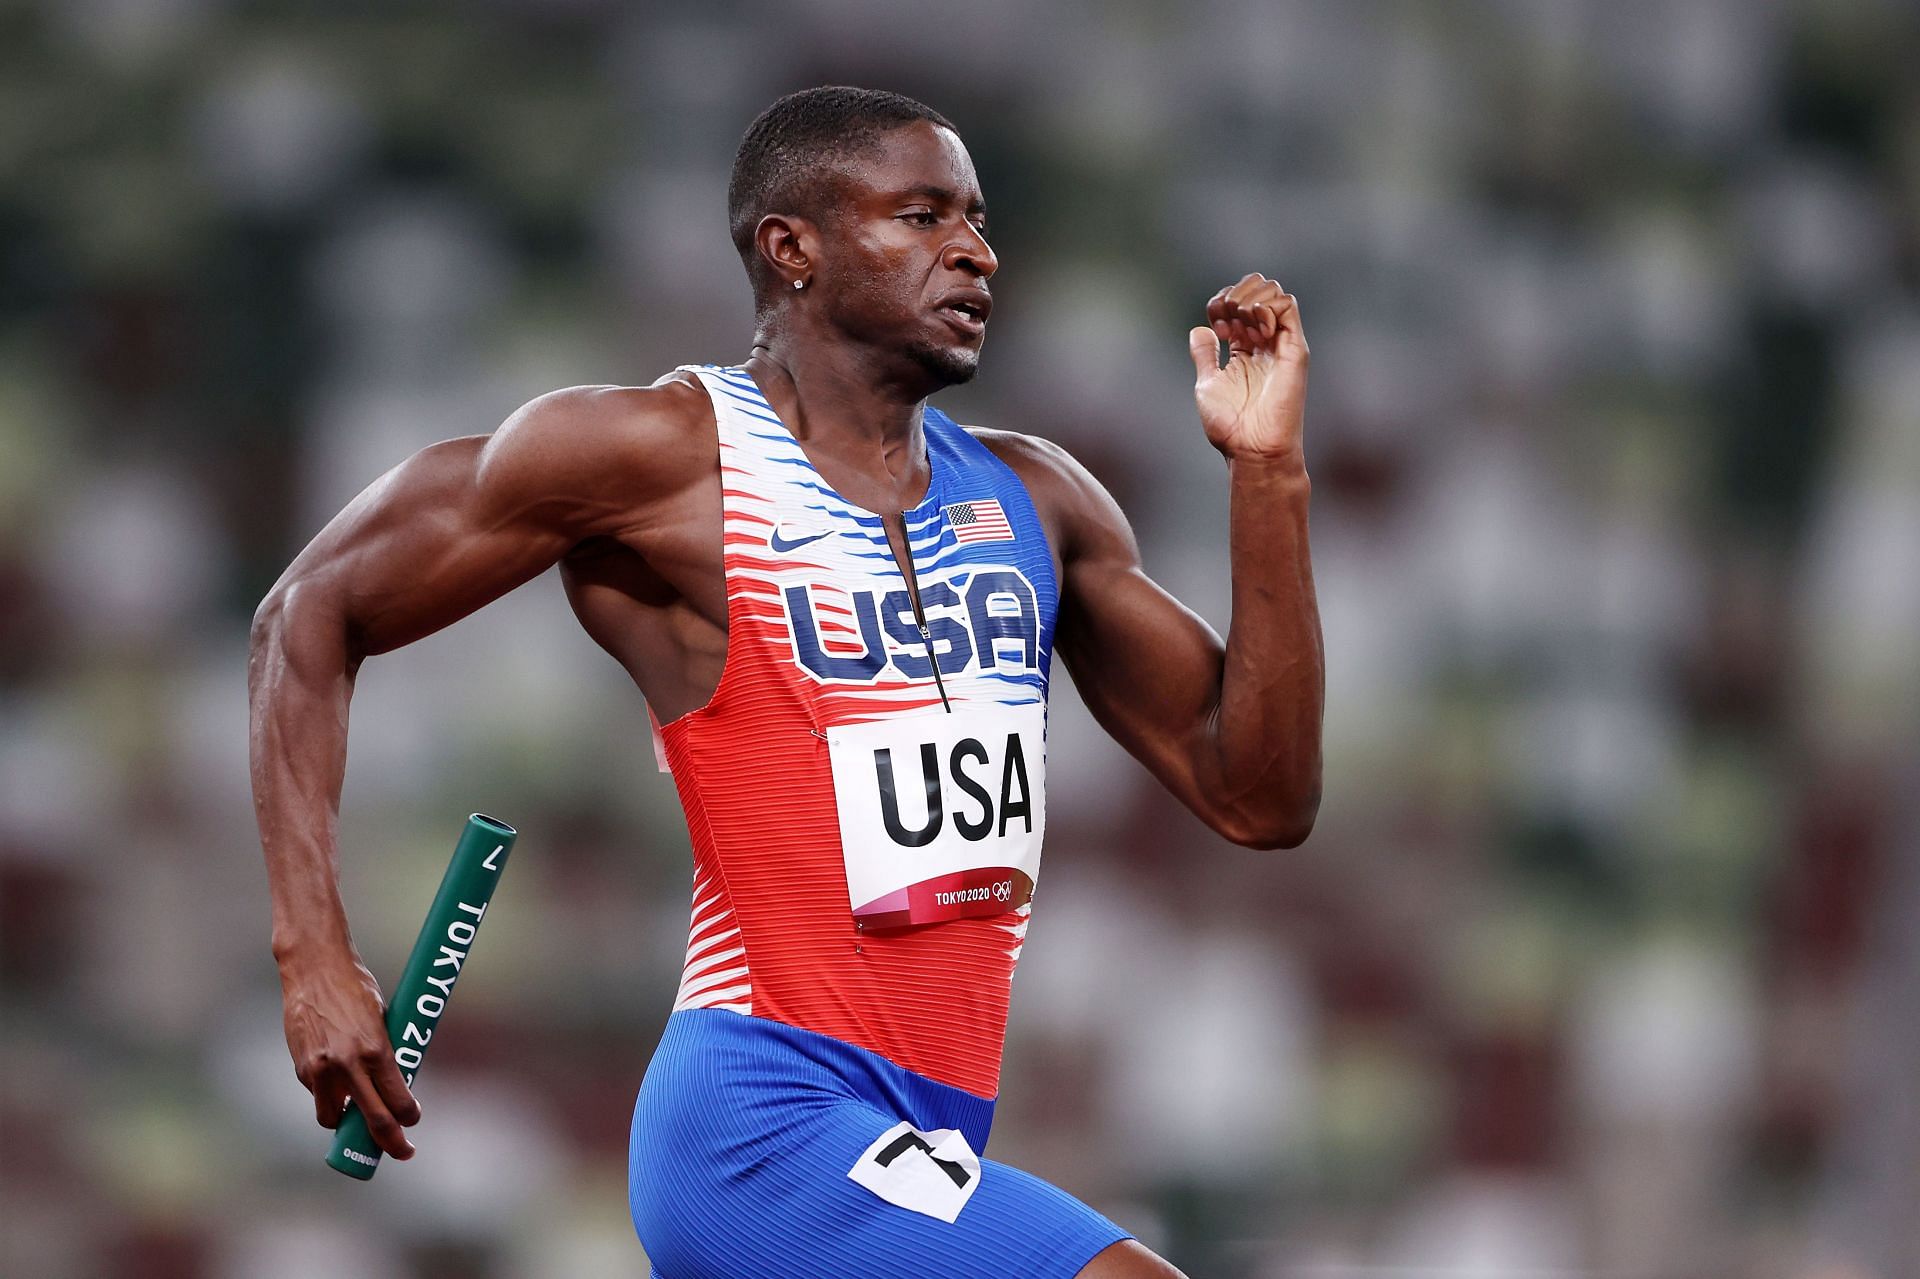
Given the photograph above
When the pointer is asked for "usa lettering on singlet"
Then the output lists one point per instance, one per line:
(852, 830)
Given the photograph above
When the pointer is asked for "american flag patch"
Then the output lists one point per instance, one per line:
(980, 521)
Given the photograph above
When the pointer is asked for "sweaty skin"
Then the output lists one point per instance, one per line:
(620, 487)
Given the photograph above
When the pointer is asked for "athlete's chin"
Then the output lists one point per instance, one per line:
(949, 365)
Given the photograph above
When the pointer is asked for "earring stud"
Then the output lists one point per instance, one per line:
(799, 284)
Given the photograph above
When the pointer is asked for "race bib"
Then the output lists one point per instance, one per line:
(941, 814)
(928, 1172)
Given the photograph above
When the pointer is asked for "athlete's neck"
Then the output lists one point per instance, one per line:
(834, 399)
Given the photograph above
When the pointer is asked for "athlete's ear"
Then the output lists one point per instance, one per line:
(789, 245)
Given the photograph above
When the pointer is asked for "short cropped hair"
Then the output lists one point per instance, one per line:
(785, 163)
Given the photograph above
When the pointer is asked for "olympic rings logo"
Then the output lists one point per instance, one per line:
(1003, 891)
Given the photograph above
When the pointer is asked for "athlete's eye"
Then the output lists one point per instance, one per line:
(981, 227)
(920, 217)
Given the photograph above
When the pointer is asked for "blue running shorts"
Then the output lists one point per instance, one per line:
(760, 1150)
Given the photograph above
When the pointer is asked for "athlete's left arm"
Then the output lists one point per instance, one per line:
(1232, 729)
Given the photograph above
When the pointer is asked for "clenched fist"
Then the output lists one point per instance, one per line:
(1256, 405)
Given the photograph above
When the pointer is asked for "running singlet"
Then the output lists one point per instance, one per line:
(865, 839)
(863, 852)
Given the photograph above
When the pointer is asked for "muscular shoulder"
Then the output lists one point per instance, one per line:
(1080, 515)
(599, 448)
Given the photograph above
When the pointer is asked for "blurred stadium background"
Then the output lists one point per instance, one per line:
(1603, 959)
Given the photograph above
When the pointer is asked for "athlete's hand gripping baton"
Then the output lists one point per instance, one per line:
(445, 941)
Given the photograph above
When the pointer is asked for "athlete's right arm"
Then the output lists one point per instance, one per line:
(453, 527)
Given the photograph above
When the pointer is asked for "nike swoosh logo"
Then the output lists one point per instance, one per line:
(782, 545)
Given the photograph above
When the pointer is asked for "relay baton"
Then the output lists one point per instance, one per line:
(445, 941)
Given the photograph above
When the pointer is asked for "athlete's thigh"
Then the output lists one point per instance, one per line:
(1129, 1259)
(850, 1190)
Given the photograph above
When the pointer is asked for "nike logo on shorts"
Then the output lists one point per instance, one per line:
(782, 545)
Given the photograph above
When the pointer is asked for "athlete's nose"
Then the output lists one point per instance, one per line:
(970, 252)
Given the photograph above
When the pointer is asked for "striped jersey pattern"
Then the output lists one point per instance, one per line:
(820, 633)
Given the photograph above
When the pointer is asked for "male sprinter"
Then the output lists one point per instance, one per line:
(841, 606)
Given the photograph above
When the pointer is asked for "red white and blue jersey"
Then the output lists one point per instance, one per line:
(865, 848)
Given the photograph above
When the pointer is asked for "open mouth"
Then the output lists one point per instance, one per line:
(967, 314)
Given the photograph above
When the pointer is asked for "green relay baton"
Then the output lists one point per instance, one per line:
(445, 941)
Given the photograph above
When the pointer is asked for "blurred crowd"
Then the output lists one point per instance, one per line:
(1602, 957)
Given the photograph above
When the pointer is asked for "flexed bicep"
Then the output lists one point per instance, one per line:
(420, 548)
(455, 526)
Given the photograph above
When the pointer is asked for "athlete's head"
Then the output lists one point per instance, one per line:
(869, 201)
